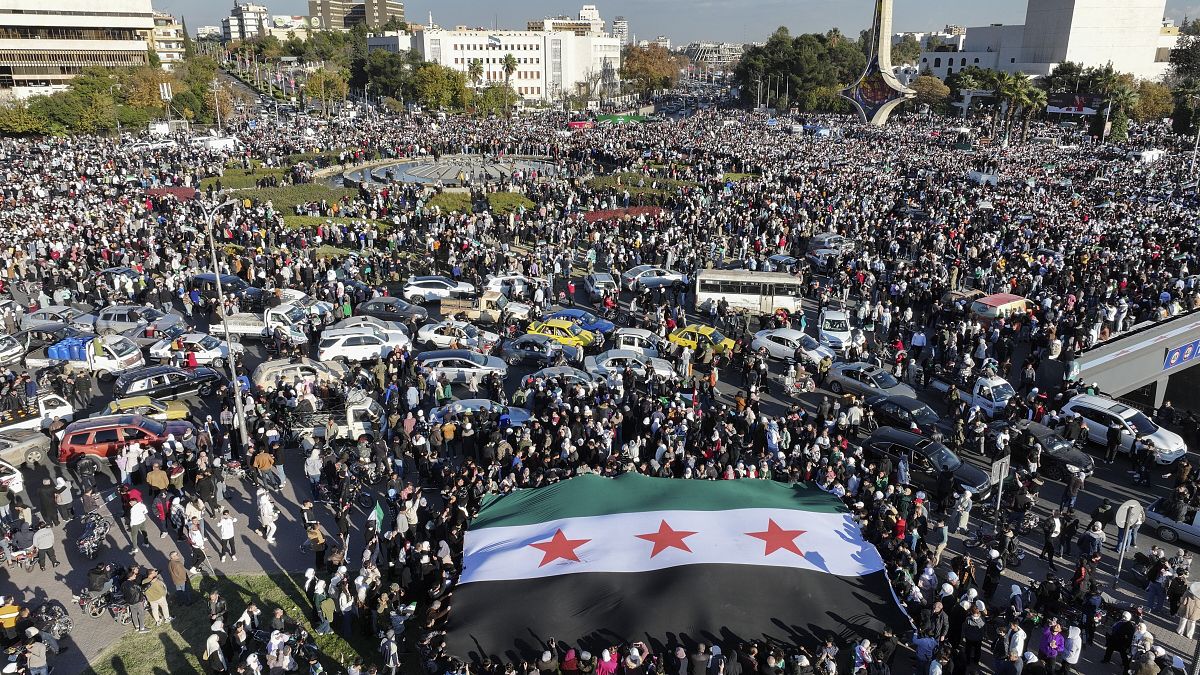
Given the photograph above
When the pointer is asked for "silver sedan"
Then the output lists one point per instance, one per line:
(864, 379)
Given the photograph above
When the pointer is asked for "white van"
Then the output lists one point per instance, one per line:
(1099, 413)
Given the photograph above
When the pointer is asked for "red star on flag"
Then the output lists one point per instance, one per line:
(557, 547)
(667, 538)
(777, 538)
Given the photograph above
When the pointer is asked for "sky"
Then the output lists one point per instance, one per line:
(683, 20)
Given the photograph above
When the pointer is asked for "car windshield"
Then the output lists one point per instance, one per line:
(123, 347)
(573, 329)
(716, 337)
(586, 317)
(808, 343)
(836, 325)
(884, 380)
(923, 413)
(1003, 391)
(501, 301)
(943, 459)
(1143, 424)
(294, 315)
(154, 426)
(209, 342)
(478, 359)
(471, 331)
(151, 314)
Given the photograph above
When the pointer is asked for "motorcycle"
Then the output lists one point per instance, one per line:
(53, 619)
(796, 380)
(95, 530)
(367, 471)
(25, 559)
(987, 539)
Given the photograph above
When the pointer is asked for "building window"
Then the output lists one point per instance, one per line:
(976, 59)
(962, 62)
(925, 59)
(937, 63)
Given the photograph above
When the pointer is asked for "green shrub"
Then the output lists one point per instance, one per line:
(237, 178)
(284, 199)
(504, 203)
(451, 201)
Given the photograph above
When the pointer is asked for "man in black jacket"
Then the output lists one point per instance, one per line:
(131, 590)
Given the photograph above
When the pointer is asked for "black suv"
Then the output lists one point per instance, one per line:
(168, 382)
(926, 460)
(232, 286)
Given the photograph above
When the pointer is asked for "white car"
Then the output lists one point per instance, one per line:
(420, 290)
(393, 332)
(650, 275)
(358, 344)
(451, 334)
(638, 340)
(1099, 413)
(617, 361)
(81, 321)
(210, 351)
(11, 477)
(513, 286)
(781, 343)
(458, 365)
(834, 331)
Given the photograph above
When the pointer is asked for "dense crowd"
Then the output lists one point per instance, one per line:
(1097, 243)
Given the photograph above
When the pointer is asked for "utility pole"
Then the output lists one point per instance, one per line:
(216, 87)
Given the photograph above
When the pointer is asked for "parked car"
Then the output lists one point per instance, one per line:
(452, 334)
(11, 478)
(374, 322)
(459, 365)
(98, 439)
(782, 344)
(864, 379)
(231, 286)
(78, 319)
(1161, 519)
(638, 340)
(697, 334)
(11, 351)
(122, 318)
(617, 361)
(209, 351)
(566, 333)
(421, 290)
(650, 276)
(46, 334)
(168, 382)
(1099, 413)
(362, 343)
(516, 417)
(1058, 457)
(927, 459)
(539, 350)
(270, 374)
(599, 283)
(147, 406)
(568, 375)
(905, 412)
(834, 331)
(585, 320)
(391, 309)
(23, 446)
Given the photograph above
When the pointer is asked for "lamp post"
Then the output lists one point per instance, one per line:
(209, 216)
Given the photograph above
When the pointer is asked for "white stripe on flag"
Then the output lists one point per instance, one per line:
(830, 542)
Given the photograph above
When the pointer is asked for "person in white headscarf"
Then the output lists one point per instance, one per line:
(214, 655)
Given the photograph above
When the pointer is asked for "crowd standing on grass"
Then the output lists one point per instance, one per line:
(1096, 243)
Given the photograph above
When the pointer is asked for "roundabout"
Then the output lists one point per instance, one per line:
(456, 170)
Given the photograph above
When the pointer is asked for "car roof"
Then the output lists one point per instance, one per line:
(906, 402)
(897, 436)
(147, 371)
(640, 332)
(601, 276)
(130, 401)
(834, 314)
(103, 421)
(622, 352)
(431, 277)
(557, 323)
(1106, 404)
(445, 353)
(789, 333)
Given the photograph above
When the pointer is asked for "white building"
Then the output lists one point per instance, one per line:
(588, 21)
(1130, 34)
(208, 33)
(245, 21)
(948, 37)
(393, 41)
(707, 56)
(620, 29)
(43, 45)
(550, 64)
(167, 40)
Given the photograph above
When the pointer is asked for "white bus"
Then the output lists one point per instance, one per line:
(762, 292)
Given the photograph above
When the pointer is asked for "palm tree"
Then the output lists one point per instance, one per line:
(1123, 97)
(998, 82)
(1018, 87)
(475, 71)
(510, 67)
(1035, 100)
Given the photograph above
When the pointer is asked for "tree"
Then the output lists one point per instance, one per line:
(1066, 76)
(1153, 102)
(510, 67)
(650, 67)
(189, 48)
(328, 85)
(931, 91)
(152, 59)
(141, 87)
(387, 72)
(437, 86)
(907, 50)
(16, 119)
(1185, 61)
(1033, 102)
(394, 23)
(475, 71)
(492, 99)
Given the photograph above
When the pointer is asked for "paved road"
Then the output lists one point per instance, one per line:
(91, 636)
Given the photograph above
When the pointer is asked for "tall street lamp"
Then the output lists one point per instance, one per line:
(209, 216)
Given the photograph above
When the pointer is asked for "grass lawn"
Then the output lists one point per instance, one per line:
(451, 201)
(238, 178)
(286, 198)
(504, 203)
(177, 648)
(313, 221)
(734, 176)
(630, 181)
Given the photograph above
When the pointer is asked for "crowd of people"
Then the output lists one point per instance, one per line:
(1096, 243)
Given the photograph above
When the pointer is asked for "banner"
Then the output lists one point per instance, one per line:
(1075, 104)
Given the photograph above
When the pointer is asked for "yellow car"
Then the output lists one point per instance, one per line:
(150, 407)
(563, 332)
(697, 334)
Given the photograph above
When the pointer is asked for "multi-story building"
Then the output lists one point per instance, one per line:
(1130, 34)
(550, 64)
(662, 41)
(588, 21)
(43, 45)
(620, 30)
(283, 26)
(245, 21)
(344, 14)
(208, 33)
(951, 37)
(713, 56)
(166, 40)
(393, 41)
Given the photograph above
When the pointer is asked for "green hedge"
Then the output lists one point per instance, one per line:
(284, 199)
(296, 222)
(629, 181)
(236, 179)
(504, 203)
(451, 201)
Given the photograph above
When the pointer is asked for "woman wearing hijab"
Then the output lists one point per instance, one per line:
(214, 654)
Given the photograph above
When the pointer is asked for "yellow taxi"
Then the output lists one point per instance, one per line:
(563, 332)
(698, 334)
(149, 407)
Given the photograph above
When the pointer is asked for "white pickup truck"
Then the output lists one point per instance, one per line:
(105, 356)
(261, 325)
(991, 394)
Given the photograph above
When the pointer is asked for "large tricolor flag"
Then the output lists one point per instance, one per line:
(597, 561)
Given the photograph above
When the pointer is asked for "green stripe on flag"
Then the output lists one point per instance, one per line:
(377, 515)
(592, 495)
